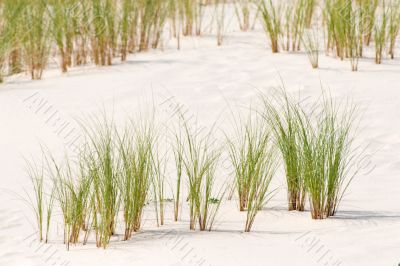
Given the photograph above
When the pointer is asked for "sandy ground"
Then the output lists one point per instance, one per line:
(205, 80)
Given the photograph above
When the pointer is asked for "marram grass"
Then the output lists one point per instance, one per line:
(200, 161)
(326, 160)
(280, 113)
(73, 33)
(105, 188)
(252, 156)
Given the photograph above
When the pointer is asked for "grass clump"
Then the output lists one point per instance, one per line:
(252, 157)
(259, 187)
(71, 195)
(243, 12)
(111, 174)
(311, 44)
(271, 18)
(316, 147)
(394, 27)
(191, 13)
(338, 15)
(63, 30)
(102, 166)
(136, 154)
(368, 9)
(281, 114)
(10, 46)
(326, 156)
(220, 19)
(200, 161)
(79, 197)
(355, 39)
(35, 40)
(295, 22)
(381, 34)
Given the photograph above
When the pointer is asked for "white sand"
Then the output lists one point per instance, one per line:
(205, 79)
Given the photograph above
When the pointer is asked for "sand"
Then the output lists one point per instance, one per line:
(205, 80)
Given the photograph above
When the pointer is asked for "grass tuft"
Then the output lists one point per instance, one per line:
(252, 157)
